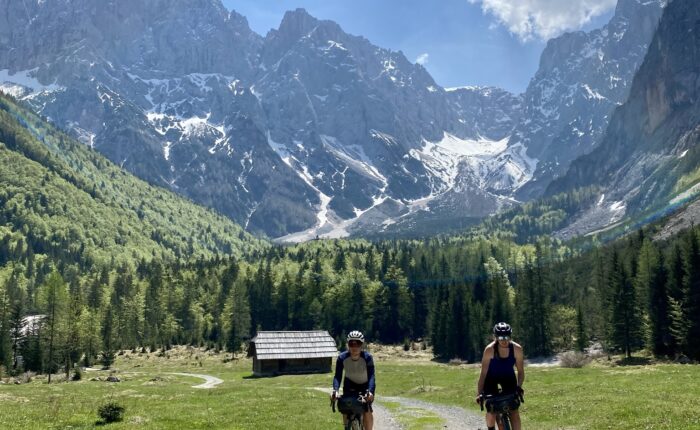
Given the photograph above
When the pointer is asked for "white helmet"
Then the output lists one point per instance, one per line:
(356, 335)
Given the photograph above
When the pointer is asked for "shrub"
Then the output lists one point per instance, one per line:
(111, 412)
(77, 374)
(107, 359)
(574, 359)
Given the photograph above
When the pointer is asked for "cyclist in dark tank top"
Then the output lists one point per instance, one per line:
(501, 358)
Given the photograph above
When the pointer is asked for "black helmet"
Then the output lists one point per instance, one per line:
(502, 329)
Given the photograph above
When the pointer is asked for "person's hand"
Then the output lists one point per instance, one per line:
(520, 391)
(334, 395)
(370, 397)
(479, 398)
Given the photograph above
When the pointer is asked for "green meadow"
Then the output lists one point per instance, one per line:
(601, 396)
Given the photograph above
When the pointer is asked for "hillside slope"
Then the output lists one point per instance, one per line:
(60, 198)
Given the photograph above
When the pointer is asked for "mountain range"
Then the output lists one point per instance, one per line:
(309, 131)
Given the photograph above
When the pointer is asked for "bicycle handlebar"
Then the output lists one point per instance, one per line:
(362, 398)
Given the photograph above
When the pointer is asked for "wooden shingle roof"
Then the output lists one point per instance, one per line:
(273, 345)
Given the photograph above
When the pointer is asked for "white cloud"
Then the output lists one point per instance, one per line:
(422, 59)
(543, 19)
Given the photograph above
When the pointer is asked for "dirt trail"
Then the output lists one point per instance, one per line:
(454, 417)
(210, 381)
(383, 419)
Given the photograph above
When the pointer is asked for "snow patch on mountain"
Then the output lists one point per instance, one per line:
(355, 158)
(22, 83)
(443, 158)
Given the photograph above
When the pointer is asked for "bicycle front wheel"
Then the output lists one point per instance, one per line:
(356, 424)
(505, 419)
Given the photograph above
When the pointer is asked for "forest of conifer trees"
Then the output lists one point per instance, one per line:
(626, 296)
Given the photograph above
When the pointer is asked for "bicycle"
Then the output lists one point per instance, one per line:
(353, 408)
(502, 405)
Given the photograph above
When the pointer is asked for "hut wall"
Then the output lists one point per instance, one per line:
(305, 365)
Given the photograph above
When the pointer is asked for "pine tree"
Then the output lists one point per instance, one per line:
(674, 288)
(691, 285)
(356, 312)
(237, 313)
(626, 320)
(370, 265)
(498, 288)
(154, 306)
(581, 335)
(339, 263)
(17, 334)
(5, 333)
(54, 299)
(659, 312)
(108, 327)
(282, 302)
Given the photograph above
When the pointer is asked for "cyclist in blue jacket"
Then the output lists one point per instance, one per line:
(358, 367)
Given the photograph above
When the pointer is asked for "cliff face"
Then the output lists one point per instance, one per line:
(649, 155)
(582, 78)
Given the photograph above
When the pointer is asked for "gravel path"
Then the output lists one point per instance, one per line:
(455, 418)
(210, 381)
(383, 419)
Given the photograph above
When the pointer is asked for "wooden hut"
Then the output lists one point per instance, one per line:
(279, 352)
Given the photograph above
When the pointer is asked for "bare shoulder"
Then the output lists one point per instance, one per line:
(488, 351)
(517, 349)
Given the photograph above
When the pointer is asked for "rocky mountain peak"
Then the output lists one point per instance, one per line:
(582, 77)
(297, 23)
(308, 130)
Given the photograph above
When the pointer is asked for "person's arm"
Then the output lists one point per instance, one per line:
(485, 359)
(338, 373)
(519, 364)
(370, 374)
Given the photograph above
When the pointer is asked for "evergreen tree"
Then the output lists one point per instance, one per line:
(581, 335)
(54, 300)
(282, 302)
(498, 287)
(17, 334)
(691, 285)
(5, 333)
(626, 320)
(339, 263)
(356, 313)
(659, 312)
(370, 265)
(237, 312)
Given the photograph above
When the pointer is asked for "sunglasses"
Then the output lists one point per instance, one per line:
(354, 343)
(503, 338)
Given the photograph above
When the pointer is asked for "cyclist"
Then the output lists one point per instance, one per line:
(497, 369)
(359, 374)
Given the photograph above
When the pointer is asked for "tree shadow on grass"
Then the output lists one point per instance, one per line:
(634, 361)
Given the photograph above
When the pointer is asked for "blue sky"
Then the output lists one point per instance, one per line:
(463, 42)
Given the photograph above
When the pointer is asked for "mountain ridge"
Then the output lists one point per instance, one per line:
(314, 132)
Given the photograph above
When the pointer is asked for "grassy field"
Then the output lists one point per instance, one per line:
(600, 396)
